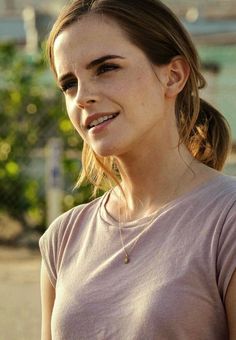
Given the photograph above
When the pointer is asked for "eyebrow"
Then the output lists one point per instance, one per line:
(101, 60)
(92, 64)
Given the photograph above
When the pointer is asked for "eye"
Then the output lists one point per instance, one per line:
(68, 85)
(106, 68)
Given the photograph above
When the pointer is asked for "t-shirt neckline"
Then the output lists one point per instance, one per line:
(137, 223)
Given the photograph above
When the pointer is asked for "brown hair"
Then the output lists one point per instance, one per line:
(152, 27)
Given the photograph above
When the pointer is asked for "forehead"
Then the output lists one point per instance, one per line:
(88, 38)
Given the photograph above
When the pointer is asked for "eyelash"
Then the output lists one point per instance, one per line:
(67, 85)
(104, 68)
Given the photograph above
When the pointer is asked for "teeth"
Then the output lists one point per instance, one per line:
(100, 120)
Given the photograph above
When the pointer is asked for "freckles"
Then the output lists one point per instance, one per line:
(113, 89)
(142, 105)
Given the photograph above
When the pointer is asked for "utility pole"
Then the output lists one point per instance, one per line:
(54, 178)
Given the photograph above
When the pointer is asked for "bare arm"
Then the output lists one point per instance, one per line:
(47, 302)
(230, 304)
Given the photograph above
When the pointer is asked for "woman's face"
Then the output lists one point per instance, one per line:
(113, 94)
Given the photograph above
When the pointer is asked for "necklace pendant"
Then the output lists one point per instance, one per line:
(126, 259)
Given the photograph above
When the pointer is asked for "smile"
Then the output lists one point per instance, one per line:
(101, 120)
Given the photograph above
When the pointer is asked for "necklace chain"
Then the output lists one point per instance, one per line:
(127, 254)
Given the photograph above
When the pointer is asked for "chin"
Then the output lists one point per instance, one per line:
(107, 151)
(104, 153)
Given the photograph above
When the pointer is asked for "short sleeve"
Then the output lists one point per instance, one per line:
(226, 259)
(48, 245)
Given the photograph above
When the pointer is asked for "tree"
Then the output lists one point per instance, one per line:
(32, 111)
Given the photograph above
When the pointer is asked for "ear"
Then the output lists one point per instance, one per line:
(177, 74)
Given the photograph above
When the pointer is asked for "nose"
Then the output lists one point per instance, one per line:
(84, 104)
(86, 97)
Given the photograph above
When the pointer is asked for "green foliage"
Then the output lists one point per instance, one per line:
(31, 112)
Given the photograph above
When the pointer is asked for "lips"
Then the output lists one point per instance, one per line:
(96, 119)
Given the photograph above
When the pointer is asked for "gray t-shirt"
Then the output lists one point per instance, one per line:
(175, 284)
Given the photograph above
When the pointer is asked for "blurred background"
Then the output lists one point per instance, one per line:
(39, 150)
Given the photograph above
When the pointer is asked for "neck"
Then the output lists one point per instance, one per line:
(155, 179)
(154, 172)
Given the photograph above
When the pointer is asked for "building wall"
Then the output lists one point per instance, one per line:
(17, 5)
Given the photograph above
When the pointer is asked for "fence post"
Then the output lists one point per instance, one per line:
(54, 178)
(29, 17)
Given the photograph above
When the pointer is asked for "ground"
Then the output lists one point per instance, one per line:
(19, 294)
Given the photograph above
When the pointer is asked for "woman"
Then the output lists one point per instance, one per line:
(155, 256)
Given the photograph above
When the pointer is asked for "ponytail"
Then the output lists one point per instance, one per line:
(210, 139)
(154, 29)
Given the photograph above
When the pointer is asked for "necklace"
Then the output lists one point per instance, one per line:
(127, 254)
(147, 227)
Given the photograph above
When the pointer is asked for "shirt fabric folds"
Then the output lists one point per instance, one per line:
(175, 285)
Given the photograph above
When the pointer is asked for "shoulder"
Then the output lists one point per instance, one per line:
(209, 208)
(64, 223)
(218, 193)
(228, 182)
(226, 192)
(224, 184)
(226, 236)
(219, 201)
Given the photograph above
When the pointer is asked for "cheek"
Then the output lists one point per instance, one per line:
(137, 85)
(74, 117)
(72, 113)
